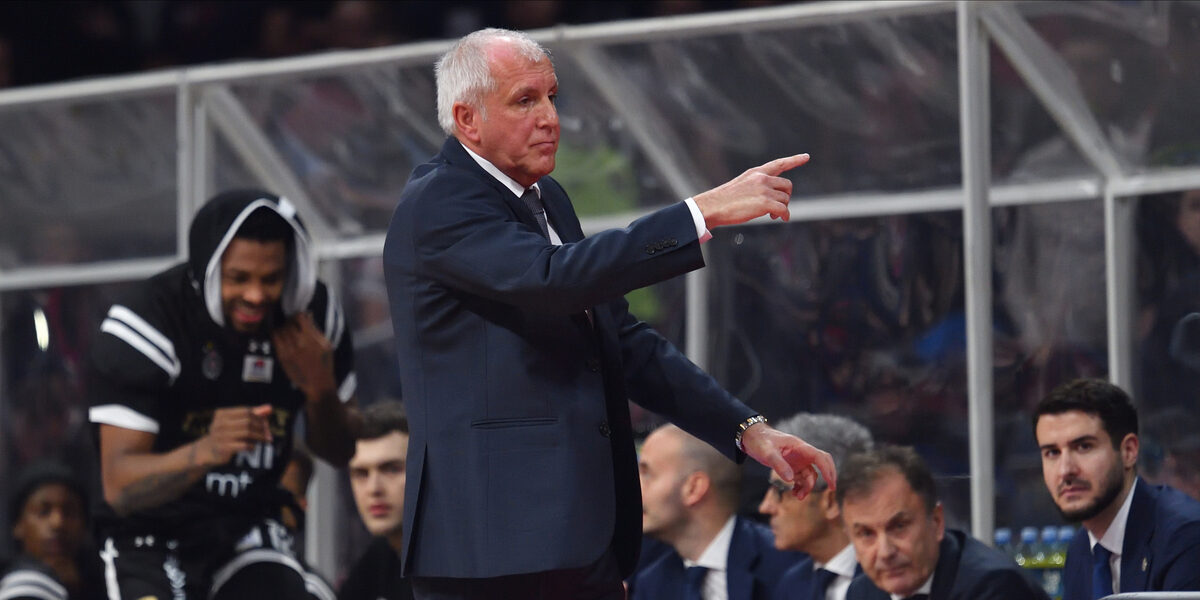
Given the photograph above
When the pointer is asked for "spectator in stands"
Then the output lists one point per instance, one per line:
(689, 495)
(892, 513)
(1140, 537)
(55, 558)
(377, 476)
(814, 525)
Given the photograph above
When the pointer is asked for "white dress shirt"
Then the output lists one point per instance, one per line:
(926, 588)
(1114, 538)
(843, 565)
(715, 558)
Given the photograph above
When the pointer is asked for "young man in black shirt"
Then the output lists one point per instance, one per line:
(199, 379)
(55, 558)
(377, 476)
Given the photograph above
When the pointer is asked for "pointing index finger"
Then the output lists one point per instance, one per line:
(786, 163)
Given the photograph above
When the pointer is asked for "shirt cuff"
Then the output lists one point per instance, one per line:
(702, 232)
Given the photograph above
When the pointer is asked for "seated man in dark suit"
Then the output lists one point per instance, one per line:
(813, 525)
(895, 521)
(1140, 537)
(689, 496)
(378, 474)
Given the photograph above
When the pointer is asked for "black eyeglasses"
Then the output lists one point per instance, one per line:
(780, 487)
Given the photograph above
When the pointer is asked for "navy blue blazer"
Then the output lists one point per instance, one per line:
(796, 582)
(521, 455)
(1161, 552)
(966, 570)
(752, 571)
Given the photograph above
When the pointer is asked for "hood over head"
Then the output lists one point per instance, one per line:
(214, 227)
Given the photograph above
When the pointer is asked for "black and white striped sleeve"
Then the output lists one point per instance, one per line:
(134, 359)
(29, 584)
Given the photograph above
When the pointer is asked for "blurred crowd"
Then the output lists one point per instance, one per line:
(43, 42)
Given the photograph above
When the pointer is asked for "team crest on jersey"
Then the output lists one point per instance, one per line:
(257, 369)
(210, 365)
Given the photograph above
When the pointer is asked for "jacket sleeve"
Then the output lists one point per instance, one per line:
(467, 237)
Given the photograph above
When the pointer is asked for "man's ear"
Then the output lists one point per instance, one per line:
(466, 121)
(829, 505)
(939, 521)
(695, 486)
(1129, 450)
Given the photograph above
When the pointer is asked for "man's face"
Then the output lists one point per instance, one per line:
(1082, 470)
(252, 278)
(660, 468)
(795, 523)
(51, 527)
(895, 538)
(520, 132)
(377, 477)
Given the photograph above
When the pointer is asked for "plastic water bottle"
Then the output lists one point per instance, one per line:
(1024, 551)
(1052, 556)
(1003, 538)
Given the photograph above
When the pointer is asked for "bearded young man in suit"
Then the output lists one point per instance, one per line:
(518, 355)
(890, 507)
(1140, 537)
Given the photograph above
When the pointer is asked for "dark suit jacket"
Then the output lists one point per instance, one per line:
(1161, 550)
(966, 570)
(796, 582)
(521, 455)
(752, 571)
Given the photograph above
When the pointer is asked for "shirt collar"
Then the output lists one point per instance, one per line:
(843, 563)
(1114, 537)
(716, 555)
(926, 588)
(517, 189)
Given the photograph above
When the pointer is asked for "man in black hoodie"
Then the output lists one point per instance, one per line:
(199, 379)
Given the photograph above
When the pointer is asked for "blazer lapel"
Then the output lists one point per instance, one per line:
(944, 574)
(1139, 532)
(456, 155)
(739, 567)
(560, 212)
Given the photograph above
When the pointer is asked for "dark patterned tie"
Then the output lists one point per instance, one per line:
(918, 597)
(820, 582)
(695, 583)
(1102, 584)
(534, 202)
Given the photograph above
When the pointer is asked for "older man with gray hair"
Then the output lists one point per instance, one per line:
(813, 525)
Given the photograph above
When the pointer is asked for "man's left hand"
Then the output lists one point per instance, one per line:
(793, 459)
(305, 355)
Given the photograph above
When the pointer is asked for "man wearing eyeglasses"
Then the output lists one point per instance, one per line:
(689, 497)
(813, 525)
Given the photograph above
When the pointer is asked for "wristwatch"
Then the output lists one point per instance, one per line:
(743, 426)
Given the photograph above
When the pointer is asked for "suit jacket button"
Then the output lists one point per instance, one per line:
(593, 365)
(605, 430)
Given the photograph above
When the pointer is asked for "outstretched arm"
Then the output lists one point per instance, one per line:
(135, 477)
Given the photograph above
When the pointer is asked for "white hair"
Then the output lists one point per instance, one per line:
(464, 75)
